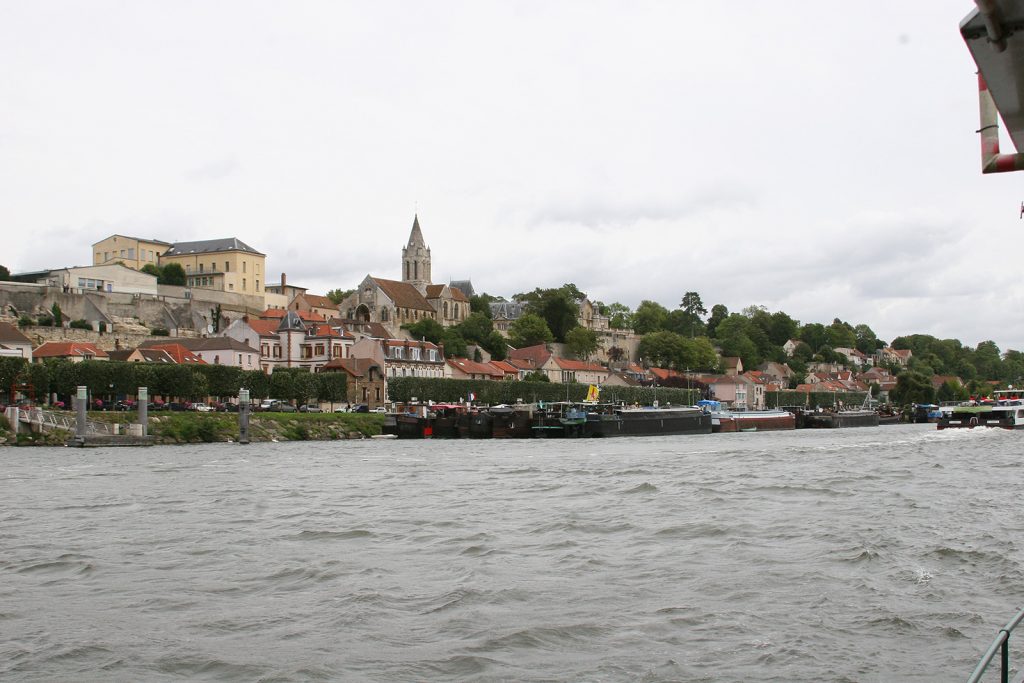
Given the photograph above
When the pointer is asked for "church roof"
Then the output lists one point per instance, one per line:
(465, 286)
(403, 294)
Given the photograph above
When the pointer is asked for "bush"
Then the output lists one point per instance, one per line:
(296, 431)
(206, 430)
(80, 324)
(45, 321)
(25, 321)
(159, 332)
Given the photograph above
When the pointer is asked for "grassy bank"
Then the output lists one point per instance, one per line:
(193, 427)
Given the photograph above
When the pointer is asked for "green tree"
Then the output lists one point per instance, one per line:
(782, 328)
(151, 269)
(912, 387)
(620, 317)
(718, 313)
(58, 315)
(481, 303)
(841, 335)
(650, 316)
(558, 307)
(536, 376)
(454, 343)
(581, 342)
(172, 274)
(338, 295)
(5, 275)
(988, 361)
(476, 328)
(815, 335)
(496, 345)
(734, 337)
(528, 330)
(426, 329)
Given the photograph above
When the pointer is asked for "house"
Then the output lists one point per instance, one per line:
(291, 339)
(504, 313)
(75, 352)
(939, 380)
(314, 303)
(580, 371)
(733, 365)
(780, 372)
(590, 317)
(366, 379)
(178, 352)
(141, 355)
(225, 265)
(854, 357)
(224, 351)
(790, 346)
(734, 391)
(464, 368)
(14, 344)
(280, 294)
(510, 371)
(133, 252)
(535, 358)
(402, 357)
(893, 356)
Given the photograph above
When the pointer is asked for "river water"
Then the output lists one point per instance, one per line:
(875, 554)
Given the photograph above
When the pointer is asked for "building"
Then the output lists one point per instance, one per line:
(402, 357)
(292, 340)
(224, 351)
(504, 313)
(75, 352)
(133, 252)
(314, 303)
(580, 371)
(366, 381)
(141, 355)
(13, 344)
(395, 303)
(464, 368)
(109, 278)
(224, 265)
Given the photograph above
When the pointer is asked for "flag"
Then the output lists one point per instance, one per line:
(472, 396)
(592, 393)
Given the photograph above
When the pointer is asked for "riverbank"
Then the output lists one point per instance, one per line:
(192, 427)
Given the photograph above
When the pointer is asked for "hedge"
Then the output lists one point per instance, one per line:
(824, 399)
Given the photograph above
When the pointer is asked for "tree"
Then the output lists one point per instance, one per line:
(616, 353)
(338, 295)
(151, 269)
(481, 303)
(536, 376)
(496, 345)
(718, 313)
(620, 317)
(581, 342)
(734, 336)
(814, 335)
(912, 387)
(692, 305)
(476, 328)
(58, 315)
(558, 307)
(172, 274)
(426, 329)
(841, 335)
(528, 330)
(5, 275)
(453, 342)
(650, 316)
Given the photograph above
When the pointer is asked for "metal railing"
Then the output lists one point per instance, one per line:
(54, 420)
(1002, 645)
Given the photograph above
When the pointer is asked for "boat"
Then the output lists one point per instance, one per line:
(511, 422)
(1004, 410)
(864, 416)
(724, 420)
(444, 419)
(648, 421)
(559, 419)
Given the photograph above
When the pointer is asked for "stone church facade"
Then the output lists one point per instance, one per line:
(394, 303)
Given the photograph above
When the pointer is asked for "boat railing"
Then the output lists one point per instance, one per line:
(1001, 645)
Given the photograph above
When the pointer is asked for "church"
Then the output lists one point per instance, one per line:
(394, 303)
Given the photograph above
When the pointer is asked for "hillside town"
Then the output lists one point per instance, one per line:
(225, 312)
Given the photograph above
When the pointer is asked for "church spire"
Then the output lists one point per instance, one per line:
(416, 258)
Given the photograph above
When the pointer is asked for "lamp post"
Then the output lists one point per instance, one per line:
(243, 416)
(143, 407)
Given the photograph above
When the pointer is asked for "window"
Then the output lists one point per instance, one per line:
(98, 256)
(243, 266)
(227, 266)
(319, 349)
(131, 253)
(277, 351)
(415, 354)
(243, 283)
(231, 286)
(188, 268)
(122, 253)
(257, 285)
(200, 267)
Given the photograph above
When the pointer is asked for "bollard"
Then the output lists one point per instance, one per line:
(81, 402)
(243, 416)
(144, 410)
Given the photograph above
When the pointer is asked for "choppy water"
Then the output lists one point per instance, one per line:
(882, 554)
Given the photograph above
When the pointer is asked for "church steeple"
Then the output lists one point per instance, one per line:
(416, 258)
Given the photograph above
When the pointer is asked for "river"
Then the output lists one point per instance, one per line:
(875, 554)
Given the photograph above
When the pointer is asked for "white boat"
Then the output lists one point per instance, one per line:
(1004, 410)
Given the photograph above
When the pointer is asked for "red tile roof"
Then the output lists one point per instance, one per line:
(280, 313)
(12, 335)
(180, 354)
(53, 349)
(538, 354)
(578, 365)
(473, 368)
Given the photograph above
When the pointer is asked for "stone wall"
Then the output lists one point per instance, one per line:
(123, 337)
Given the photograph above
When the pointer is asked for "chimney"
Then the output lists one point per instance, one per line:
(284, 281)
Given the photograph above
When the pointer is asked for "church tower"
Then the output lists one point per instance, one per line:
(416, 259)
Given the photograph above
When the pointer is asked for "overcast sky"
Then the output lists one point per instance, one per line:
(815, 158)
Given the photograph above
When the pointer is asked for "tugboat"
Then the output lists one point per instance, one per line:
(1004, 410)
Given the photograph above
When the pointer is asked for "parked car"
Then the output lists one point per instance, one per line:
(228, 407)
(156, 406)
(124, 405)
(202, 408)
(379, 409)
(361, 408)
(310, 408)
(286, 408)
